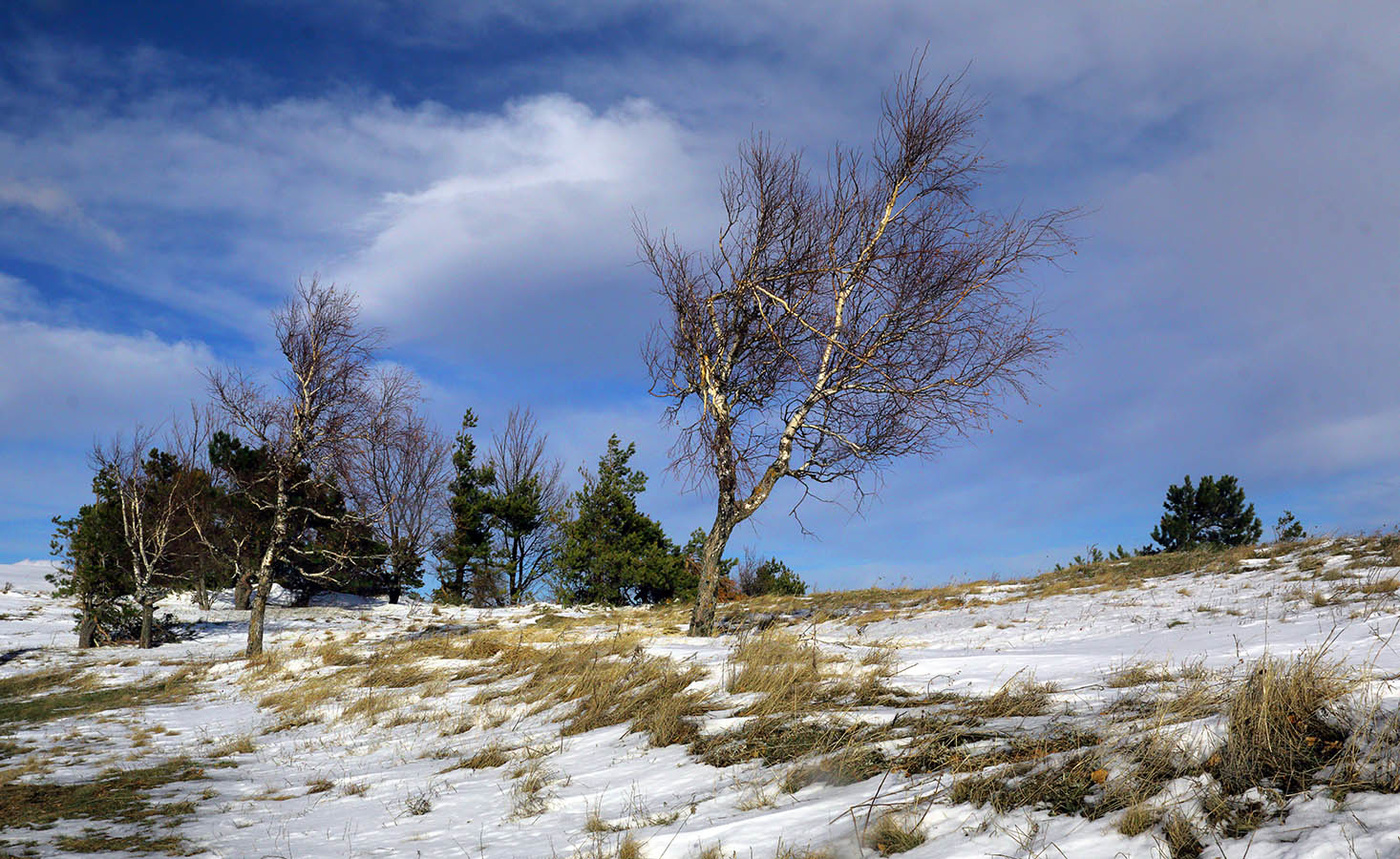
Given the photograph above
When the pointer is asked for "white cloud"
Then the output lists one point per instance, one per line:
(17, 297)
(424, 210)
(55, 204)
(534, 201)
(78, 384)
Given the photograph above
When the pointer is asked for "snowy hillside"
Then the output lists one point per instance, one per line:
(26, 576)
(1235, 704)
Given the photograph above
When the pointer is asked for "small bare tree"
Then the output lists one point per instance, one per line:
(529, 497)
(406, 474)
(835, 327)
(153, 489)
(318, 425)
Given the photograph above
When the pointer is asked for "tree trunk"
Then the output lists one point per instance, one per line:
(394, 595)
(201, 592)
(243, 590)
(264, 579)
(148, 611)
(517, 570)
(87, 625)
(702, 620)
(257, 615)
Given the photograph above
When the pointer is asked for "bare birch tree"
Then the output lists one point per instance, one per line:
(529, 497)
(838, 325)
(153, 488)
(317, 422)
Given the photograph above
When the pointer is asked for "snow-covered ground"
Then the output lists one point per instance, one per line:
(375, 767)
(26, 576)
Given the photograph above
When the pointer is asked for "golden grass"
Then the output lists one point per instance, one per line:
(1138, 674)
(604, 682)
(778, 665)
(530, 794)
(1180, 838)
(1138, 819)
(1018, 697)
(1281, 726)
(241, 745)
(488, 756)
(85, 698)
(370, 706)
(893, 833)
(338, 652)
(119, 797)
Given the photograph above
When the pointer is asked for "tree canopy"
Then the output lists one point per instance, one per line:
(1211, 513)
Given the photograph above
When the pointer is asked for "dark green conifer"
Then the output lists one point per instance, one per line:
(1212, 513)
(611, 552)
(468, 572)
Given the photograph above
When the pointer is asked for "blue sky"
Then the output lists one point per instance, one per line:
(167, 171)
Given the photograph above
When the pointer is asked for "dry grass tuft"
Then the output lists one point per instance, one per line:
(393, 674)
(337, 652)
(1139, 818)
(1180, 838)
(369, 706)
(122, 798)
(320, 784)
(530, 794)
(608, 682)
(778, 665)
(1018, 697)
(892, 833)
(81, 696)
(492, 755)
(1138, 674)
(776, 740)
(242, 745)
(1380, 586)
(1282, 728)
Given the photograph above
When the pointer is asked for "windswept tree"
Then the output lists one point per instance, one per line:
(840, 323)
(528, 500)
(315, 426)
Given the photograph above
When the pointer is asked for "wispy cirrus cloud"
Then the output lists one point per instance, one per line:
(55, 204)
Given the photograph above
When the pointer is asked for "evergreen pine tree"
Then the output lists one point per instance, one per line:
(772, 577)
(1288, 529)
(611, 552)
(94, 564)
(470, 574)
(1212, 513)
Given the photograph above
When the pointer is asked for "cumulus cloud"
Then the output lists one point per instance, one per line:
(433, 215)
(76, 384)
(537, 200)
